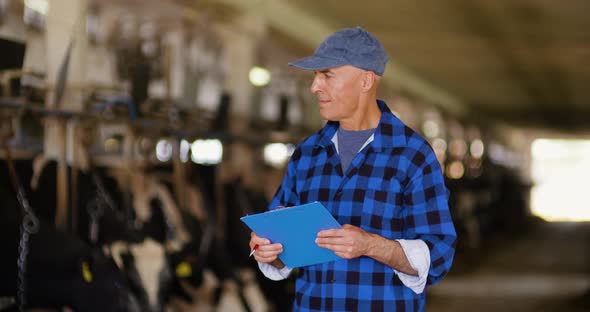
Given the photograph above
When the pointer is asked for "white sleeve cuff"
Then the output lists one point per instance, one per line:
(418, 255)
(273, 272)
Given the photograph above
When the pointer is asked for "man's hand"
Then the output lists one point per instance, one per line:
(352, 242)
(348, 242)
(266, 252)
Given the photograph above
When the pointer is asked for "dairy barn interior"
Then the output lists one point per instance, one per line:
(136, 133)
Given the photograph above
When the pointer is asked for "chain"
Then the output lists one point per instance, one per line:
(96, 207)
(170, 227)
(29, 226)
(102, 192)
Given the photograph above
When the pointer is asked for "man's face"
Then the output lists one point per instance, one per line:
(338, 90)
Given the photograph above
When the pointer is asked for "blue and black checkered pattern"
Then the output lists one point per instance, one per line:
(394, 187)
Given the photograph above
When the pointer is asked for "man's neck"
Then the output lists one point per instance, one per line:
(367, 117)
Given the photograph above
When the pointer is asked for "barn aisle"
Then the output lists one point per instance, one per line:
(547, 269)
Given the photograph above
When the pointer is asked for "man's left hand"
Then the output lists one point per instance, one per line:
(348, 242)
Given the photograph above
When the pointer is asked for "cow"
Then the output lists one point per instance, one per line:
(61, 270)
(145, 267)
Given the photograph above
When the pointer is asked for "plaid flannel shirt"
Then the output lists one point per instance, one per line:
(394, 187)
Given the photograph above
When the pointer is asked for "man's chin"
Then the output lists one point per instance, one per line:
(328, 118)
(324, 115)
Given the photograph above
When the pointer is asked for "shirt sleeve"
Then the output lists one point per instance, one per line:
(418, 255)
(426, 214)
(274, 273)
(286, 196)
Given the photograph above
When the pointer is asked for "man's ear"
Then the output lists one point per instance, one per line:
(368, 80)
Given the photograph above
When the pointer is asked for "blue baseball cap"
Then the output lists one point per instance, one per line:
(349, 46)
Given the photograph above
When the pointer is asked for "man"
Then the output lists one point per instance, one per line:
(379, 178)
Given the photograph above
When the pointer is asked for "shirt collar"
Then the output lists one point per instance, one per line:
(390, 132)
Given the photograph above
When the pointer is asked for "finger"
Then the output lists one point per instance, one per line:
(262, 241)
(332, 240)
(270, 247)
(269, 250)
(264, 259)
(267, 254)
(329, 233)
(337, 248)
(257, 240)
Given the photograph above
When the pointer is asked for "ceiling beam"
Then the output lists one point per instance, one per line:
(311, 30)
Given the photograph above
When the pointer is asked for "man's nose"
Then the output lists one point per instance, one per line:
(315, 86)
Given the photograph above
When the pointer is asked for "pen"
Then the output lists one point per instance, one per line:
(253, 250)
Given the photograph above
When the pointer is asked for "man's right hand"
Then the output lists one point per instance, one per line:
(266, 252)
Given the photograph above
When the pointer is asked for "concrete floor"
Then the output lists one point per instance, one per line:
(546, 269)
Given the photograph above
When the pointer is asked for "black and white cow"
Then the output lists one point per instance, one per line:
(151, 247)
(61, 269)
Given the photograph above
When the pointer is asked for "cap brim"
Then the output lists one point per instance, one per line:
(316, 62)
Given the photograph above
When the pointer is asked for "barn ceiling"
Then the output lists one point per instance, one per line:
(525, 62)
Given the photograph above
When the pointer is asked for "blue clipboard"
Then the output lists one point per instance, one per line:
(296, 228)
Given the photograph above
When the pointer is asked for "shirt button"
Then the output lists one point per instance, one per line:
(332, 280)
(337, 195)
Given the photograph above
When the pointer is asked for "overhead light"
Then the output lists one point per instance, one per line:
(185, 148)
(207, 152)
(112, 145)
(455, 170)
(431, 128)
(164, 150)
(476, 148)
(277, 154)
(39, 6)
(259, 76)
